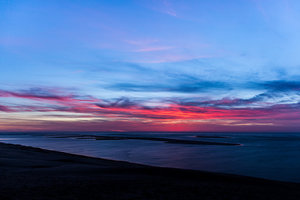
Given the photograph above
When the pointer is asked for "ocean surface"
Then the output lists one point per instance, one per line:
(266, 155)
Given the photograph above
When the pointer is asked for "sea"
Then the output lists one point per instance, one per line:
(273, 156)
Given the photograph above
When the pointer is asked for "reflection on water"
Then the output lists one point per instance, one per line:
(273, 156)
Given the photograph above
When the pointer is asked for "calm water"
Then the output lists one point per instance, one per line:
(267, 155)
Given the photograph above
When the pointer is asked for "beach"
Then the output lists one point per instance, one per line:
(33, 173)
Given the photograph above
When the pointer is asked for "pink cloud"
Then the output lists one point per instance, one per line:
(172, 58)
(124, 114)
(141, 42)
(149, 49)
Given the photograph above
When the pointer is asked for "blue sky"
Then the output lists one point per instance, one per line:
(150, 54)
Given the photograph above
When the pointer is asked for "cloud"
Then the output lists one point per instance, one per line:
(33, 93)
(171, 111)
(126, 108)
(183, 88)
(191, 84)
(157, 48)
(141, 42)
(173, 83)
(46, 94)
(5, 109)
(172, 58)
(281, 85)
(169, 9)
(225, 102)
(165, 7)
(119, 103)
(224, 120)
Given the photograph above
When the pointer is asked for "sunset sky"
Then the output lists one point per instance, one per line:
(150, 65)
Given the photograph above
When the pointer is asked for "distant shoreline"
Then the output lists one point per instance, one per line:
(34, 173)
(162, 139)
(119, 132)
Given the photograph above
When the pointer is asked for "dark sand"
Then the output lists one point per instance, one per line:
(32, 173)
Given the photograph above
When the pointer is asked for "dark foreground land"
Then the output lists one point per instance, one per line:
(32, 173)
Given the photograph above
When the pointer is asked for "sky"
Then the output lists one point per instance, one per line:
(150, 65)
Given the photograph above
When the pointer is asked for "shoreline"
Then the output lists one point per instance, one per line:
(35, 173)
(166, 140)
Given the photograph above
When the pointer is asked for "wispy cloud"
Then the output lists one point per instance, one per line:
(171, 58)
(42, 94)
(281, 85)
(162, 6)
(168, 8)
(141, 42)
(158, 48)
(254, 111)
(5, 109)
(185, 109)
(181, 87)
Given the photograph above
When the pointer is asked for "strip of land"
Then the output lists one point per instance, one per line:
(166, 140)
(33, 173)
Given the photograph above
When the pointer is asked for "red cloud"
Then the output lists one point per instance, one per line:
(135, 114)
